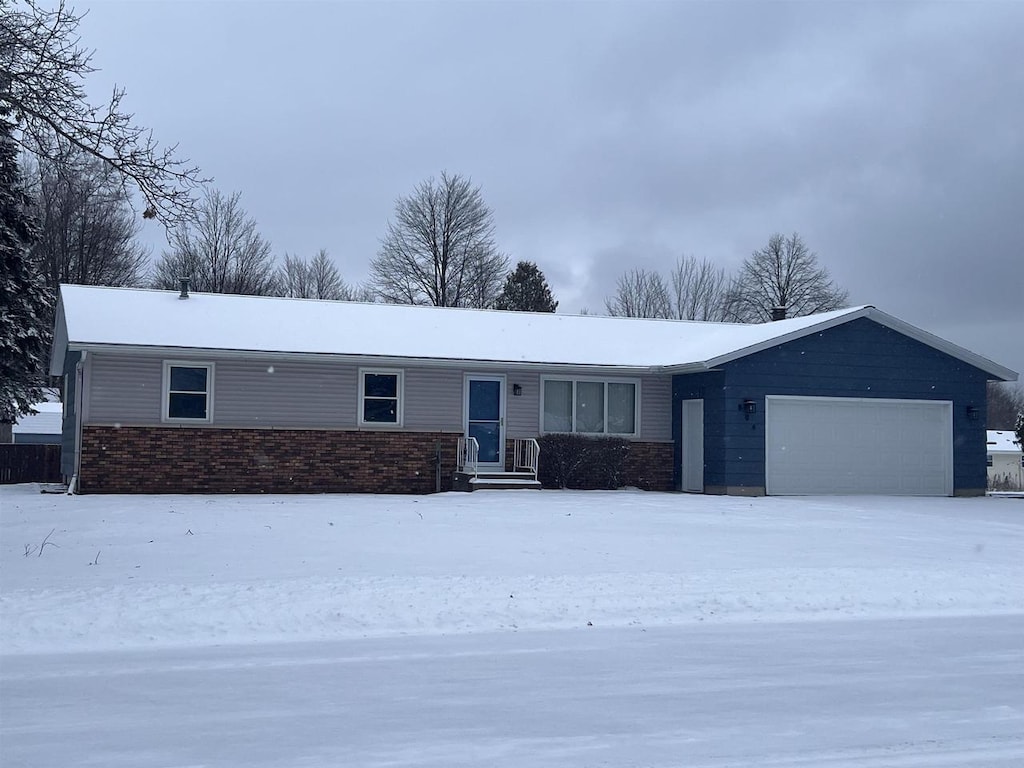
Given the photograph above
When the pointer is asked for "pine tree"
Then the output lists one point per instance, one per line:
(24, 297)
(526, 290)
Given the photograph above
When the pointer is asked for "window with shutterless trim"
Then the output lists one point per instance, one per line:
(187, 391)
(380, 396)
(590, 406)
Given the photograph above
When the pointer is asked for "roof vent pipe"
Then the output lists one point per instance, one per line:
(184, 287)
(778, 313)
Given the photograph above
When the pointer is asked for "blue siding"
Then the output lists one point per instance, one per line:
(858, 359)
(706, 387)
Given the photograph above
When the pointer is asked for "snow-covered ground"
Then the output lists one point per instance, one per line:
(510, 628)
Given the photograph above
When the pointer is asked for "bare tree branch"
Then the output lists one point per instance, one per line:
(698, 290)
(42, 72)
(639, 293)
(316, 279)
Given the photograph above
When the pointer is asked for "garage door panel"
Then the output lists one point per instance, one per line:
(858, 445)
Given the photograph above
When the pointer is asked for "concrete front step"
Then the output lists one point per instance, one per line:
(465, 481)
(495, 484)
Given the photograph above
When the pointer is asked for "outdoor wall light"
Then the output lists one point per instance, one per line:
(517, 390)
(973, 413)
(748, 407)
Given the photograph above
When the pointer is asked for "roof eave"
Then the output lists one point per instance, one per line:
(392, 360)
(993, 369)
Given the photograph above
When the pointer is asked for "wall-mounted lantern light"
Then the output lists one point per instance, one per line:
(748, 407)
(973, 413)
(517, 390)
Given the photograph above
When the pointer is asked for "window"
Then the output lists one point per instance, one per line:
(988, 460)
(188, 392)
(589, 406)
(380, 397)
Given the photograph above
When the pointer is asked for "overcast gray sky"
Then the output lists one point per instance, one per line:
(611, 135)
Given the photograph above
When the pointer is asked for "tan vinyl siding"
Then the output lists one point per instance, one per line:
(251, 393)
(124, 389)
(656, 408)
(433, 399)
(522, 413)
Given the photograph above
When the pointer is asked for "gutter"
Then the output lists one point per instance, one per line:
(79, 400)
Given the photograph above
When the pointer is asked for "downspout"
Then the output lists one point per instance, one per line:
(79, 380)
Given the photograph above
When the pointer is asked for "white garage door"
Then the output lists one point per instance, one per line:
(839, 445)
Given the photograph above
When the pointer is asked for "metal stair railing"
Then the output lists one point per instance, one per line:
(467, 459)
(526, 455)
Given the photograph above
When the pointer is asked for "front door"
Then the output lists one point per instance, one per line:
(485, 417)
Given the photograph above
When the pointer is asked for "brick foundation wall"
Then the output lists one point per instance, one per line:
(649, 466)
(190, 460)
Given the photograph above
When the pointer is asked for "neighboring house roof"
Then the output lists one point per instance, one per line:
(46, 422)
(96, 318)
(1002, 441)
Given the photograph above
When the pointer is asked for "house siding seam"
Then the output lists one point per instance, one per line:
(193, 460)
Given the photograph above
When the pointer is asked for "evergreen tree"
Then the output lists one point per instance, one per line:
(526, 290)
(24, 298)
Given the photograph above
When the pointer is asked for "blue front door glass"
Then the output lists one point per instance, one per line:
(484, 417)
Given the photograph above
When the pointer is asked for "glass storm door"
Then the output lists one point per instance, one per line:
(485, 417)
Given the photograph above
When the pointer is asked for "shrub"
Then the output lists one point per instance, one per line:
(581, 462)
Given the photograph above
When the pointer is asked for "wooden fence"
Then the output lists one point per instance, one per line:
(29, 463)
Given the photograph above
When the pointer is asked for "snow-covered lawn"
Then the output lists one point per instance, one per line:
(148, 571)
(510, 628)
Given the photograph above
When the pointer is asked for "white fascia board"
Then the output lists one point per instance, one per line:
(953, 350)
(59, 345)
(428, 362)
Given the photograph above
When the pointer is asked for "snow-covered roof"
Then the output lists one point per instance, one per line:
(46, 422)
(94, 318)
(1002, 441)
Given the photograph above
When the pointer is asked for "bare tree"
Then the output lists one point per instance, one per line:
(785, 273)
(1005, 401)
(316, 279)
(698, 290)
(439, 248)
(293, 278)
(219, 250)
(87, 231)
(42, 89)
(639, 293)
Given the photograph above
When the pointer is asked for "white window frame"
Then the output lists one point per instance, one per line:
(399, 391)
(166, 392)
(601, 380)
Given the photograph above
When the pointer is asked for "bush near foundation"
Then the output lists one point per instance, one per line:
(581, 462)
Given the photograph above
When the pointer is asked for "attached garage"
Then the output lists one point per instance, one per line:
(862, 403)
(846, 445)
